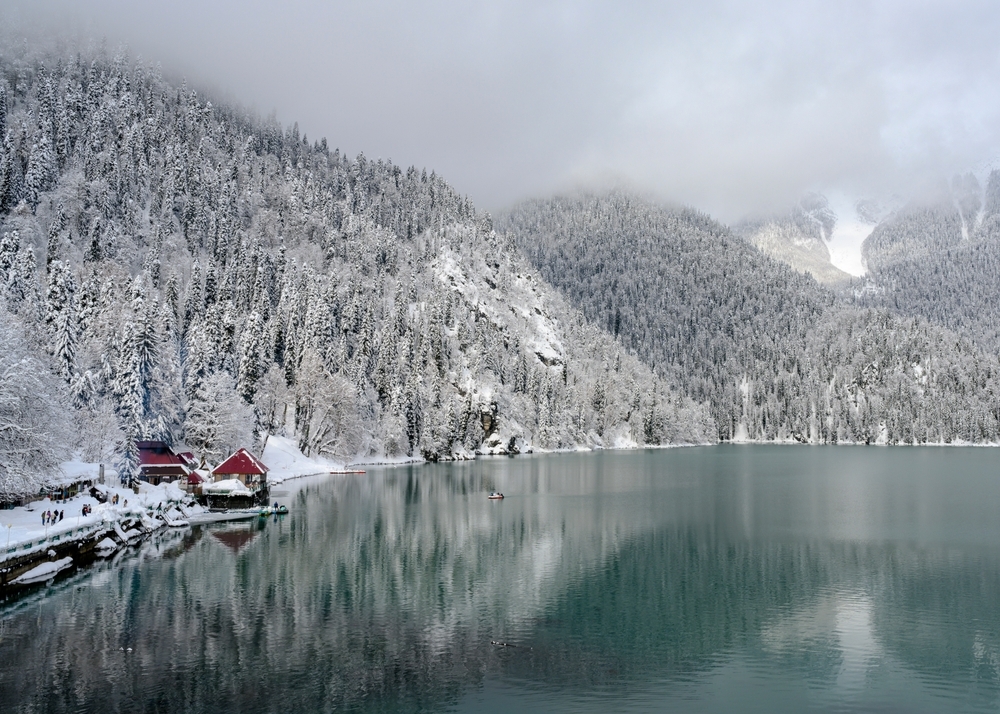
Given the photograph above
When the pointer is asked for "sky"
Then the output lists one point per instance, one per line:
(736, 108)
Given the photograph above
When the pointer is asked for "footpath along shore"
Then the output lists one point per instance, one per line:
(33, 550)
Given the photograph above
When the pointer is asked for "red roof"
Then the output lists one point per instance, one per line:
(157, 453)
(242, 462)
(195, 478)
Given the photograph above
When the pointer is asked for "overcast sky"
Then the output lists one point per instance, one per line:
(733, 107)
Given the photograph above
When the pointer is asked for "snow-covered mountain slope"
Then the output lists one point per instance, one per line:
(958, 213)
(194, 274)
(942, 262)
(785, 241)
(806, 238)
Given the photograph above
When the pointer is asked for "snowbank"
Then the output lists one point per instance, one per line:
(23, 530)
(43, 571)
(284, 461)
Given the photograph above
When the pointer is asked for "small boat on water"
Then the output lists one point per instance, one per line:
(495, 496)
(280, 510)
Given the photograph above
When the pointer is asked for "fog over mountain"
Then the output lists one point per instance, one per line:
(733, 108)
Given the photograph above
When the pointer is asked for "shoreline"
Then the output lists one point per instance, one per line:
(81, 537)
(107, 529)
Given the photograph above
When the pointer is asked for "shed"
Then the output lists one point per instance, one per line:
(195, 481)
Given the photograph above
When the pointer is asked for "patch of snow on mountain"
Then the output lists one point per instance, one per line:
(848, 235)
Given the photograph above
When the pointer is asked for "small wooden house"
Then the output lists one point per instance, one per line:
(159, 464)
(245, 467)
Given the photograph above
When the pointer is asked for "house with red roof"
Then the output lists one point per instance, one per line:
(245, 467)
(159, 464)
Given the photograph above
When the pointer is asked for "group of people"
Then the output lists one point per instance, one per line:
(51, 517)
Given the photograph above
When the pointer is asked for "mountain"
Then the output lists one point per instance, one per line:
(940, 260)
(190, 273)
(176, 269)
(799, 239)
(776, 355)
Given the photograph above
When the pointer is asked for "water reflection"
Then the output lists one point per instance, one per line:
(698, 578)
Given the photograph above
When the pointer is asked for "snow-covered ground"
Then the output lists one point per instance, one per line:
(284, 461)
(24, 531)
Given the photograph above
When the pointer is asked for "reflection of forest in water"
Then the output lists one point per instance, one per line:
(386, 592)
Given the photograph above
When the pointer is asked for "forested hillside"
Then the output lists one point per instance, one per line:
(772, 351)
(189, 273)
(942, 262)
(928, 227)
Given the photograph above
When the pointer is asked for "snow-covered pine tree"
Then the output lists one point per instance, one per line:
(250, 367)
(3, 108)
(61, 318)
(41, 169)
(10, 175)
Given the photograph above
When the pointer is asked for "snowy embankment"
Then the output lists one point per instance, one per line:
(284, 461)
(25, 530)
(44, 571)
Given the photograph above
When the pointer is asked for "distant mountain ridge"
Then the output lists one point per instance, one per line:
(941, 260)
(776, 355)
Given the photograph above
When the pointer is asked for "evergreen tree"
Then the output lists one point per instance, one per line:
(41, 169)
(10, 175)
(250, 358)
(61, 318)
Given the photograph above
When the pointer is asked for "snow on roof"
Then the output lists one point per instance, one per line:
(229, 485)
(242, 462)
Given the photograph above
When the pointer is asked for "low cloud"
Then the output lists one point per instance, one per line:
(729, 106)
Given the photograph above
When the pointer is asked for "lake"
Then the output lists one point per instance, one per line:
(714, 579)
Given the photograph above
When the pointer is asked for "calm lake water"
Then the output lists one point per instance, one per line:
(717, 579)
